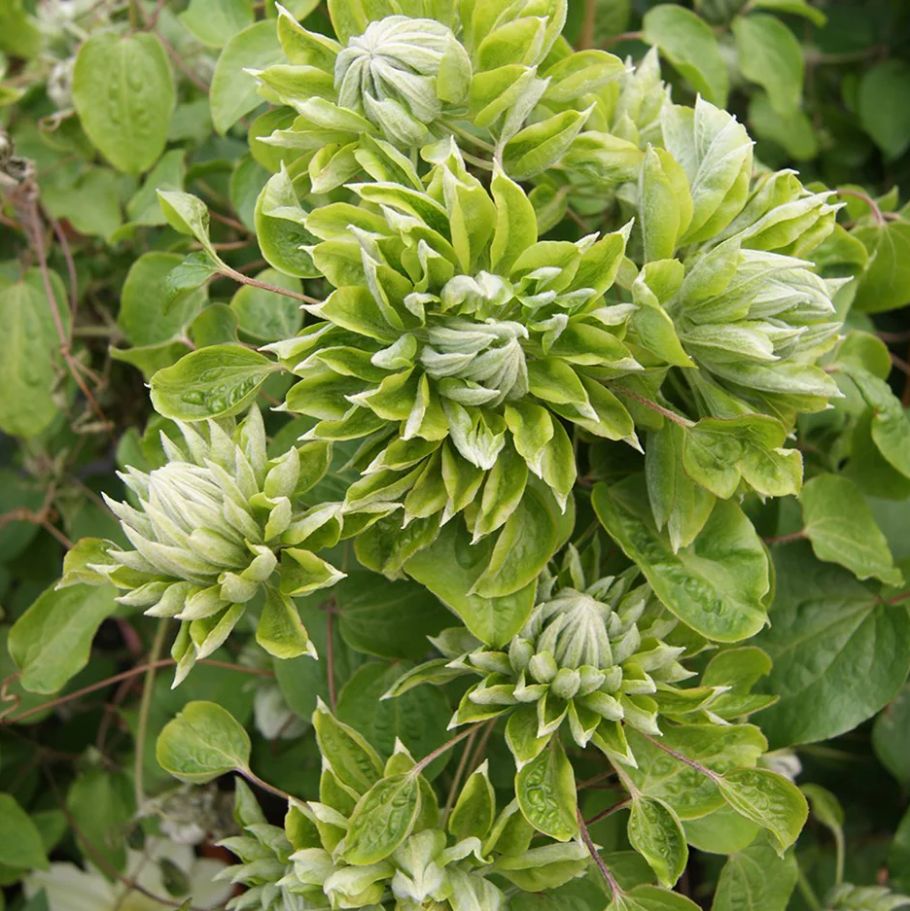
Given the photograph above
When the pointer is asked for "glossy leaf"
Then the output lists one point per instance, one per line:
(717, 585)
(203, 742)
(545, 788)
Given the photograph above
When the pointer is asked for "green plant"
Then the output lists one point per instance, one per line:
(531, 511)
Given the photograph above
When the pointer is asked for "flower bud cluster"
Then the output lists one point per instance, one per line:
(209, 530)
(593, 658)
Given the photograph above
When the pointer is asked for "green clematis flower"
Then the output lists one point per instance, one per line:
(592, 660)
(456, 345)
(219, 526)
(593, 657)
(496, 74)
(328, 857)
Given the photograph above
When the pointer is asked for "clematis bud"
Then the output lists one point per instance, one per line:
(400, 73)
(209, 533)
(593, 656)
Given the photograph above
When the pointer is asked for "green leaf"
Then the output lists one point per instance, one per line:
(20, 841)
(767, 799)
(825, 807)
(168, 174)
(690, 793)
(899, 854)
(28, 369)
(689, 44)
(51, 641)
(212, 382)
(842, 529)
(839, 652)
(768, 53)
(203, 742)
(756, 877)
(651, 898)
(382, 819)
(387, 619)
(265, 315)
(188, 214)
(280, 229)
(657, 834)
(516, 223)
(20, 35)
(233, 91)
(885, 285)
(124, 94)
(215, 22)
(678, 503)
(418, 718)
(102, 806)
(545, 788)
(891, 736)
(717, 585)
(722, 831)
(542, 144)
(351, 758)
(144, 315)
(719, 452)
(793, 132)
(473, 813)
(716, 153)
(883, 111)
(280, 630)
(794, 8)
(450, 567)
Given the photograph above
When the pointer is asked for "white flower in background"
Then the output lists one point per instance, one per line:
(160, 865)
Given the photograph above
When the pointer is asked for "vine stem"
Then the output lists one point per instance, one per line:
(786, 539)
(459, 772)
(656, 407)
(439, 751)
(603, 814)
(145, 705)
(615, 889)
(124, 675)
(867, 199)
(807, 891)
(586, 38)
(265, 286)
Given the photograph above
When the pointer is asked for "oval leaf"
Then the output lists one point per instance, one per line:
(124, 94)
(213, 382)
(768, 799)
(656, 833)
(382, 819)
(203, 742)
(545, 789)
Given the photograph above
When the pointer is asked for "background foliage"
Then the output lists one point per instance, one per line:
(106, 102)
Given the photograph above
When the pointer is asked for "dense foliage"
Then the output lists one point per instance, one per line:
(455, 455)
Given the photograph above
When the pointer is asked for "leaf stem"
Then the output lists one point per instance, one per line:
(788, 538)
(439, 751)
(701, 769)
(807, 891)
(253, 778)
(867, 199)
(145, 705)
(603, 814)
(228, 272)
(655, 407)
(615, 889)
(586, 37)
(459, 772)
